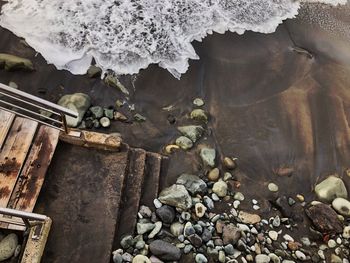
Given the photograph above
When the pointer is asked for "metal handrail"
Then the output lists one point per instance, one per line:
(37, 105)
(25, 216)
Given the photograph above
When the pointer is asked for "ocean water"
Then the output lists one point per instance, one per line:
(128, 35)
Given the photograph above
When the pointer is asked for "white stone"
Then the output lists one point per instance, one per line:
(273, 235)
(200, 210)
(342, 206)
(157, 203)
(346, 232)
(262, 258)
(331, 188)
(288, 238)
(220, 188)
(300, 255)
(272, 187)
(331, 243)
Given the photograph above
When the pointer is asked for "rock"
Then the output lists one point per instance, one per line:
(272, 187)
(222, 256)
(276, 221)
(324, 218)
(331, 188)
(227, 176)
(145, 211)
(335, 259)
(78, 102)
(230, 234)
(273, 235)
(300, 197)
(346, 232)
(331, 243)
(274, 258)
(97, 112)
(200, 210)
(199, 115)
(143, 228)
(239, 196)
(206, 235)
(300, 255)
(230, 163)
(127, 242)
(94, 72)
(176, 195)
(177, 228)
(105, 122)
(157, 203)
(164, 250)
(220, 188)
(127, 257)
(342, 206)
(200, 258)
(193, 132)
(198, 102)
(262, 258)
(156, 229)
(140, 244)
(109, 113)
(14, 86)
(8, 246)
(141, 259)
(118, 116)
(208, 203)
(208, 156)
(155, 260)
(139, 118)
(184, 143)
(192, 183)
(114, 82)
(166, 214)
(248, 218)
(117, 258)
(12, 63)
(195, 240)
(188, 229)
(214, 174)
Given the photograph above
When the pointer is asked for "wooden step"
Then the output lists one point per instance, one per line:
(81, 194)
(131, 194)
(152, 176)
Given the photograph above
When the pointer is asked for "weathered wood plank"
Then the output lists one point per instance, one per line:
(33, 173)
(13, 155)
(6, 120)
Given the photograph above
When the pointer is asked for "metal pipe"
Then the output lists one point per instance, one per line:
(22, 214)
(25, 116)
(38, 100)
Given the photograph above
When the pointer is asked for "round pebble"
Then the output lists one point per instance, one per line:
(272, 187)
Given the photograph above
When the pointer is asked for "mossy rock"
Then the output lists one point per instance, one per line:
(12, 63)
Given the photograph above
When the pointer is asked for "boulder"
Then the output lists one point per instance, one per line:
(176, 195)
(12, 63)
(78, 102)
(331, 188)
(192, 183)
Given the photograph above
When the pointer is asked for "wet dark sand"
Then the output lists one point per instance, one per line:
(269, 105)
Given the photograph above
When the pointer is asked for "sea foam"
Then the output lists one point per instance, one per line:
(128, 35)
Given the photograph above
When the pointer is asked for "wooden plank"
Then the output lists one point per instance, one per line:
(33, 173)
(13, 155)
(6, 120)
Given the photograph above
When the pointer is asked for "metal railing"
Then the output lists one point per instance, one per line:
(34, 108)
(25, 216)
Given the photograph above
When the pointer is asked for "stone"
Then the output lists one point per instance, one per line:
(274, 258)
(336, 259)
(97, 112)
(169, 149)
(324, 218)
(8, 246)
(139, 118)
(195, 240)
(300, 197)
(208, 202)
(273, 235)
(193, 132)
(15, 86)
(342, 206)
(184, 143)
(230, 163)
(200, 210)
(227, 176)
(145, 211)
(78, 102)
(127, 242)
(164, 250)
(208, 156)
(272, 187)
(127, 257)
(189, 229)
(105, 122)
(192, 183)
(200, 258)
(331, 243)
(199, 115)
(222, 257)
(230, 234)
(141, 259)
(118, 116)
(176, 195)
(249, 218)
(140, 244)
(112, 81)
(166, 214)
(157, 227)
(276, 221)
(198, 102)
(94, 72)
(157, 203)
(177, 228)
(300, 255)
(214, 174)
(143, 228)
(239, 196)
(109, 113)
(220, 188)
(331, 188)
(206, 235)
(346, 232)
(117, 258)
(11, 63)
(262, 258)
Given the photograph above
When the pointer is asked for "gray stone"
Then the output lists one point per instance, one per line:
(331, 188)
(206, 235)
(141, 259)
(187, 249)
(176, 195)
(200, 258)
(208, 203)
(230, 234)
(117, 258)
(127, 257)
(342, 206)
(145, 211)
(193, 132)
(94, 71)
(176, 228)
(97, 112)
(166, 214)
(78, 102)
(13, 85)
(143, 228)
(262, 258)
(12, 63)
(112, 81)
(140, 244)
(127, 242)
(164, 250)
(195, 240)
(208, 156)
(274, 258)
(184, 143)
(109, 113)
(156, 229)
(229, 250)
(192, 183)
(189, 229)
(220, 188)
(138, 117)
(222, 256)
(199, 115)
(8, 246)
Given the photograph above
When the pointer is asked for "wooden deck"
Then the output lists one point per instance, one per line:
(26, 150)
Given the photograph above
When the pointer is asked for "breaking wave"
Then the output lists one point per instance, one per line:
(128, 35)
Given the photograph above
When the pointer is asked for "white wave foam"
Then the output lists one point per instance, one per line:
(128, 35)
